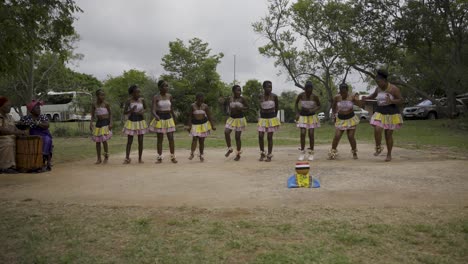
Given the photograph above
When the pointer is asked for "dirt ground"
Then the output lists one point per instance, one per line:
(415, 178)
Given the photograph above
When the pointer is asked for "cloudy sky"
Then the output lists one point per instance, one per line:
(119, 35)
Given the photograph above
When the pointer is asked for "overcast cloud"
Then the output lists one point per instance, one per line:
(119, 35)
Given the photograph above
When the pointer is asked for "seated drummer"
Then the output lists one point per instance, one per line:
(39, 126)
(8, 132)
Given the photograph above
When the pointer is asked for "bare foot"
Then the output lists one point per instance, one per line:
(262, 156)
(127, 161)
(98, 162)
(237, 158)
(140, 161)
(378, 150)
(191, 156)
(389, 158)
(228, 152)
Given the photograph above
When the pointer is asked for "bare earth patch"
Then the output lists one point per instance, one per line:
(414, 178)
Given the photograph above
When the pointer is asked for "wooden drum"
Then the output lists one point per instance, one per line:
(28, 153)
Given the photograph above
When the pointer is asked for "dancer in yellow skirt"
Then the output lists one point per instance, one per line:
(163, 121)
(237, 105)
(268, 121)
(345, 119)
(200, 125)
(101, 112)
(306, 118)
(135, 108)
(387, 116)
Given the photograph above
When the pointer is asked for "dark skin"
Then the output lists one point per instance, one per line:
(135, 97)
(163, 95)
(6, 130)
(307, 95)
(343, 96)
(384, 85)
(266, 96)
(236, 97)
(199, 105)
(100, 102)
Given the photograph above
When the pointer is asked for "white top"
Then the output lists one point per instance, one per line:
(382, 98)
(139, 106)
(164, 105)
(308, 104)
(268, 104)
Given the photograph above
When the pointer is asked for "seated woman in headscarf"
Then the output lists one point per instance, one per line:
(39, 126)
(8, 132)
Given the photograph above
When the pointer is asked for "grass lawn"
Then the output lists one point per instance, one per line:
(415, 134)
(33, 232)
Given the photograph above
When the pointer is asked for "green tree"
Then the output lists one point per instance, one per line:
(423, 43)
(301, 39)
(251, 92)
(190, 70)
(286, 102)
(28, 29)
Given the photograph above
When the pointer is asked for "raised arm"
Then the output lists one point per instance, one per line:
(357, 101)
(372, 96)
(397, 99)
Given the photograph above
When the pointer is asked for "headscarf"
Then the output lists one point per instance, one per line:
(32, 104)
(3, 100)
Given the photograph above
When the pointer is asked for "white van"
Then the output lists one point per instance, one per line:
(62, 106)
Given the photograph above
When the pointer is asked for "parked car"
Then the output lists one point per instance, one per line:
(428, 110)
(361, 113)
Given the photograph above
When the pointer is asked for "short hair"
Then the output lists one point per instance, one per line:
(343, 85)
(199, 95)
(132, 88)
(235, 87)
(381, 73)
(99, 91)
(160, 83)
(266, 82)
(309, 84)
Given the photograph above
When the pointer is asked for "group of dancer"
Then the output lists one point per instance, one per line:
(200, 122)
(386, 119)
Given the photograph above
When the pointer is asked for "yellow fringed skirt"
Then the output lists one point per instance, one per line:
(268, 124)
(391, 122)
(236, 124)
(308, 121)
(346, 124)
